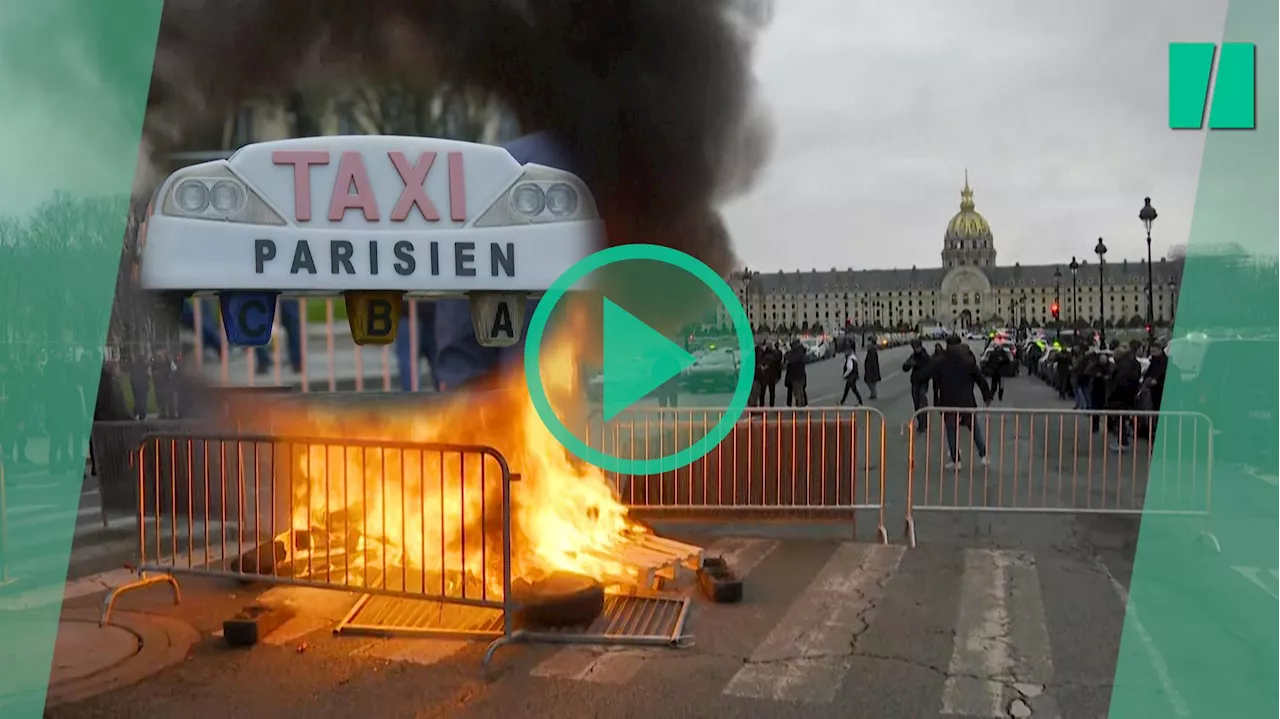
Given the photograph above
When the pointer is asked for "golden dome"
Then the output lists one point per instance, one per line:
(967, 224)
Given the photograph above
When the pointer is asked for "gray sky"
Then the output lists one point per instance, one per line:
(1059, 111)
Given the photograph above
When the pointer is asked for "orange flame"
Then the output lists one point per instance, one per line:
(440, 513)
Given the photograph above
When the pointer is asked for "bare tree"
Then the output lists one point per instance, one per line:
(451, 112)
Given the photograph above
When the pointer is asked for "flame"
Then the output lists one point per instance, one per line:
(393, 508)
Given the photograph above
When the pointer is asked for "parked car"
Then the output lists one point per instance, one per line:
(714, 371)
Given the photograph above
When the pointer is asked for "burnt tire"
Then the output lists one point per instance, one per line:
(559, 601)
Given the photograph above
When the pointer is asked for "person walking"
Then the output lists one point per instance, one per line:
(850, 374)
(917, 365)
(956, 374)
(871, 370)
(997, 360)
(797, 378)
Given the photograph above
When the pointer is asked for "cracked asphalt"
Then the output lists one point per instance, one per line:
(991, 615)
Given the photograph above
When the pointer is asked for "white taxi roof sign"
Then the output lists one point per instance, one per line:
(326, 215)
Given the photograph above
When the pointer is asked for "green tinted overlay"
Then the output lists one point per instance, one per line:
(641, 306)
(1200, 639)
(73, 85)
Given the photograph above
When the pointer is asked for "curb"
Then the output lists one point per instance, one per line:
(162, 643)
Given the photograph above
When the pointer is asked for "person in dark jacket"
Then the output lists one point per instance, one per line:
(1099, 373)
(917, 365)
(757, 382)
(1079, 364)
(1122, 394)
(997, 361)
(797, 378)
(1062, 374)
(850, 374)
(937, 353)
(1157, 371)
(955, 374)
(772, 373)
(871, 369)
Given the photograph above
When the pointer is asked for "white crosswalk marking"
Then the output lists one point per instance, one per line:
(820, 634)
(990, 623)
(805, 657)
(1256, 576)
(618, 665)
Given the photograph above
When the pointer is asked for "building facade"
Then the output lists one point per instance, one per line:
(969, 290)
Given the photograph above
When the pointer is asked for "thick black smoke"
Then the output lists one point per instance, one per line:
(652, 98)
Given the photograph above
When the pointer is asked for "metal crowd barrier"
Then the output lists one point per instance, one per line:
(1059, 461)
(421, 521)
(114, 446)
(778, 463)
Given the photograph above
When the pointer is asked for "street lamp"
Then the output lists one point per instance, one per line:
(1057, 300)
(1100, 250)
(747, 277)
(1075, 298)
(1173, 301)
(1148, 217)
(1022, 313)
(846, 312)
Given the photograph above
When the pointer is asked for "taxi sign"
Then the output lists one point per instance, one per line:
(380, 215)
(497, 318)
(248, 317)
(374, 316)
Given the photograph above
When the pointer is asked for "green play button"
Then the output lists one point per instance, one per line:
(637, 360)
(637, 291)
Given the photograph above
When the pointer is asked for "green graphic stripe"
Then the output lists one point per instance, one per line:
(73, 84)
(1200, 639)
(1190, 67)
(1190, 74)
(1233, 92)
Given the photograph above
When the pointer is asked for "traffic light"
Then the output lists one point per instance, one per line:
(1054, 309)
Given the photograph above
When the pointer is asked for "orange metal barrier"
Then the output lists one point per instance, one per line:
(817, 462)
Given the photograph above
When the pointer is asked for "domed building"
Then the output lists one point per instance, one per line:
(969, 290)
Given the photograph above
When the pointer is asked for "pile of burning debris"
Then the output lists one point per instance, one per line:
(560, 600)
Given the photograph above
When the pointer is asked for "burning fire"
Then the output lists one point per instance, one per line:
(440, 513)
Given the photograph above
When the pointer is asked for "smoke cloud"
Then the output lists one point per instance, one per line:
(652, 98)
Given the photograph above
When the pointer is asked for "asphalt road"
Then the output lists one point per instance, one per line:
(992, 613)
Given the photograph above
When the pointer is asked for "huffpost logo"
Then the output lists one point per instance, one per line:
(1192, 81)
